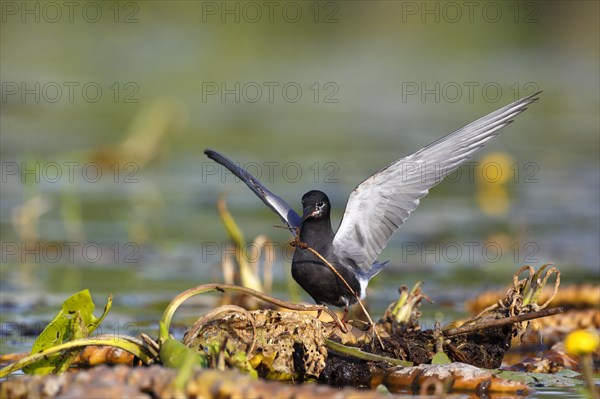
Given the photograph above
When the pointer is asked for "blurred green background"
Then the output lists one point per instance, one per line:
(107, 107)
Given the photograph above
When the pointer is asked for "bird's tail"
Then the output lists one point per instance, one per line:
(375, 269)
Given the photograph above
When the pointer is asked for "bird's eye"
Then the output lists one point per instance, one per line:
(320, 204)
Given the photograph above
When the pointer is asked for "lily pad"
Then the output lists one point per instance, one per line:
(561, 379)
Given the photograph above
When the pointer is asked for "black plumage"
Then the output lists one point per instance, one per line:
(376, 208)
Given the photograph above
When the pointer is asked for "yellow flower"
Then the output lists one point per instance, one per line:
(492, 175)
(581, 342)
(496, 168)
(493, 200)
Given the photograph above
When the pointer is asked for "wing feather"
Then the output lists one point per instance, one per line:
(279, 206)
(380, 205)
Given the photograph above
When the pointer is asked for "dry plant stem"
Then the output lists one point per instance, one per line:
(527, 290)
(543, 283)
(218, 312)
(438, 335)
(152, 344)
(204, 288)
(531, 287)
(501, 322)
(318, 255)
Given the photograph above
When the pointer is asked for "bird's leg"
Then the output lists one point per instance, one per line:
(345, 315)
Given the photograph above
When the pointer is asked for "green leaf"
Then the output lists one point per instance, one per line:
(239, 360)
(514, 376)
(359, 354)
(440, 358)
(75, 320)
(568, 373)
(175, 355)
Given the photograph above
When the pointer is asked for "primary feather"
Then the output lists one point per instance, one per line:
(381, 204)
(279, 206)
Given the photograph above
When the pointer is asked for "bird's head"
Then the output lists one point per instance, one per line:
(315, 205)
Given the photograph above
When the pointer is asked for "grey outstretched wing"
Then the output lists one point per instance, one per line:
(381, 204)
(279, 206)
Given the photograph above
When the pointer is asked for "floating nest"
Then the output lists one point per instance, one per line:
(290, 343)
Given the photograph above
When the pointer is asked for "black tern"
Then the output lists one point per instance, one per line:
(375, 210)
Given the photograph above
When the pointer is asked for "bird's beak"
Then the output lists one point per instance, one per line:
(308, 212)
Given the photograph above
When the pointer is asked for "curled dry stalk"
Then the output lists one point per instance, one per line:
(302, 245)
(535, 283)
(526, 292)
(520, 302)
(205, 288)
